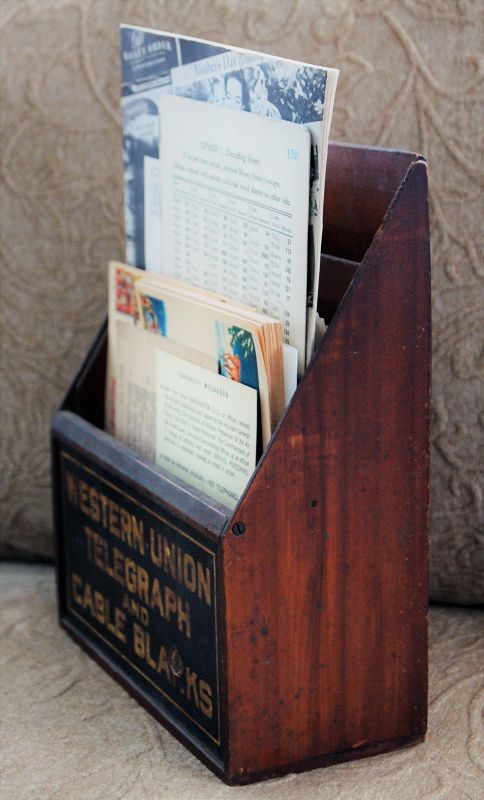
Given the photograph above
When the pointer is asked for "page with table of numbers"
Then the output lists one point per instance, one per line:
(234, 208)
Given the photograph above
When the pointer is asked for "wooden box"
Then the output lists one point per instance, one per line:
(292, 633)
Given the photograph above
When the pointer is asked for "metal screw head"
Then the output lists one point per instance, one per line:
(238, 528)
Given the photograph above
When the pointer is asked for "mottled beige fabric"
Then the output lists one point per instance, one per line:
(69, 732)
(411, 78)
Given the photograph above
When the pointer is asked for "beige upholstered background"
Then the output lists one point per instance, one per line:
(411, 78)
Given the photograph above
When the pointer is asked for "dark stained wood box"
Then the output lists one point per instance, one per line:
(292, 633)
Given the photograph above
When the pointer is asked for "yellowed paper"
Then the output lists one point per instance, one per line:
(136, 351)
(206, 428)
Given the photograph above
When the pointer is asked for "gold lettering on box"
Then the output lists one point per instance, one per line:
(145, 589)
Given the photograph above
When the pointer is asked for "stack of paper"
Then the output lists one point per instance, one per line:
(223, 210)
(217, 198)
(190, 377)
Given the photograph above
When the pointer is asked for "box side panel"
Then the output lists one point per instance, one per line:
(353, 175)
(85, 395)
(326, 588)
(138, 588)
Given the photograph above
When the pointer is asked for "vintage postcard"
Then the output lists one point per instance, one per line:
(122, 307)
(206, 428)
(247, 345)
(135, 369)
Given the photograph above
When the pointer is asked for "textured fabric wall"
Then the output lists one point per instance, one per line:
(411, 78)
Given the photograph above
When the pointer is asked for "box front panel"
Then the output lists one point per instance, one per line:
(141, 588)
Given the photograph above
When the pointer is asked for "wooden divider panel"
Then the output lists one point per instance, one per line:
(325, 561)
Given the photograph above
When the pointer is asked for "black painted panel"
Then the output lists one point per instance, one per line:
(142, 587)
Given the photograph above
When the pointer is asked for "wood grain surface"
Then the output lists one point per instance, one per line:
(326, 590)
